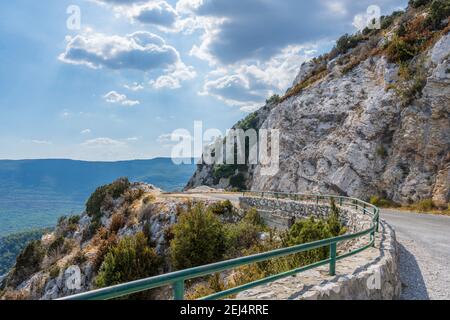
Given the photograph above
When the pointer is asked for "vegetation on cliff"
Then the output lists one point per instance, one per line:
(11, 245)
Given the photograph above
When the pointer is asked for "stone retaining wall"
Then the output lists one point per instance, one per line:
(369, 275)
(281, 213)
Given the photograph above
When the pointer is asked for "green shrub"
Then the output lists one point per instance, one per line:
(74, 219)
(96, 200)
(304, 231)
(439, 10)
(105, 246)
(399, 50)
(275, 99)
(54, 271)
(224, 171)
(117, 223)
(333, 222)
(223, 208)
(386, 21)
(240, 236)
(11, 246)
(250, 122)
(347, 42)
(253, 217)
(418, 3)
(79, 258)
(382, 203)
(375, 200)
(245, 234)
(131, 259)
(198, 239)
(27, 263)
(382, 152)
(57, 246)
(238, 181)
(425, 205)
(132, 195)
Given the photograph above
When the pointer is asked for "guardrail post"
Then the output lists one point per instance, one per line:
(333, 259)
(178, 290)
(372, 238)
(378, 219)
(317, 199)
(340, 201)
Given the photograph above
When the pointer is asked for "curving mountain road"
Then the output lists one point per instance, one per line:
(424, 244)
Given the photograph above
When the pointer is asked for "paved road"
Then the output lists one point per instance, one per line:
(424, 242)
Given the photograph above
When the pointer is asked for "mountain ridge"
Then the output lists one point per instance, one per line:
(34, 193)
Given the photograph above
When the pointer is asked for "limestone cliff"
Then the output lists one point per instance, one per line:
(364, 119)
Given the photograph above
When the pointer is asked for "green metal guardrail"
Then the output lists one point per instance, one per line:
(177, 279)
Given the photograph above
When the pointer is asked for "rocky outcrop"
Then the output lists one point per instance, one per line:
(363, 131)
(67, 260)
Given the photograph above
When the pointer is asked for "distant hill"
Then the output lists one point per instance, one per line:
(34, 193)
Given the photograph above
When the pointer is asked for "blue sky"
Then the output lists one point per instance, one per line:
(138, 69)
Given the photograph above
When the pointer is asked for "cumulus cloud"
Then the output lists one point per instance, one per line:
(158, 13)
(85, 131)
(141, 50)
(155, 12)
(247, 85)
(117, 98)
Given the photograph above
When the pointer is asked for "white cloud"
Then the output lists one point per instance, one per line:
(85, 131)
(134, 86)
(117, 98)
(103, 142)
(188, 6)
(141, 50)
(174, 76)
(248, 85)
(65, 114)
(159, 13)
(155, 12)
(41, 142)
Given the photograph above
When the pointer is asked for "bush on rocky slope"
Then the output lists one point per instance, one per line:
(12, 245)
(198, 239)
(27, 263)
(97, 199)
(131, 259)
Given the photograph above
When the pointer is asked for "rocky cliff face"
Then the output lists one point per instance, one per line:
(359, 124)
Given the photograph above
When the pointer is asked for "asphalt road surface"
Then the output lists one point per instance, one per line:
(424, 243)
